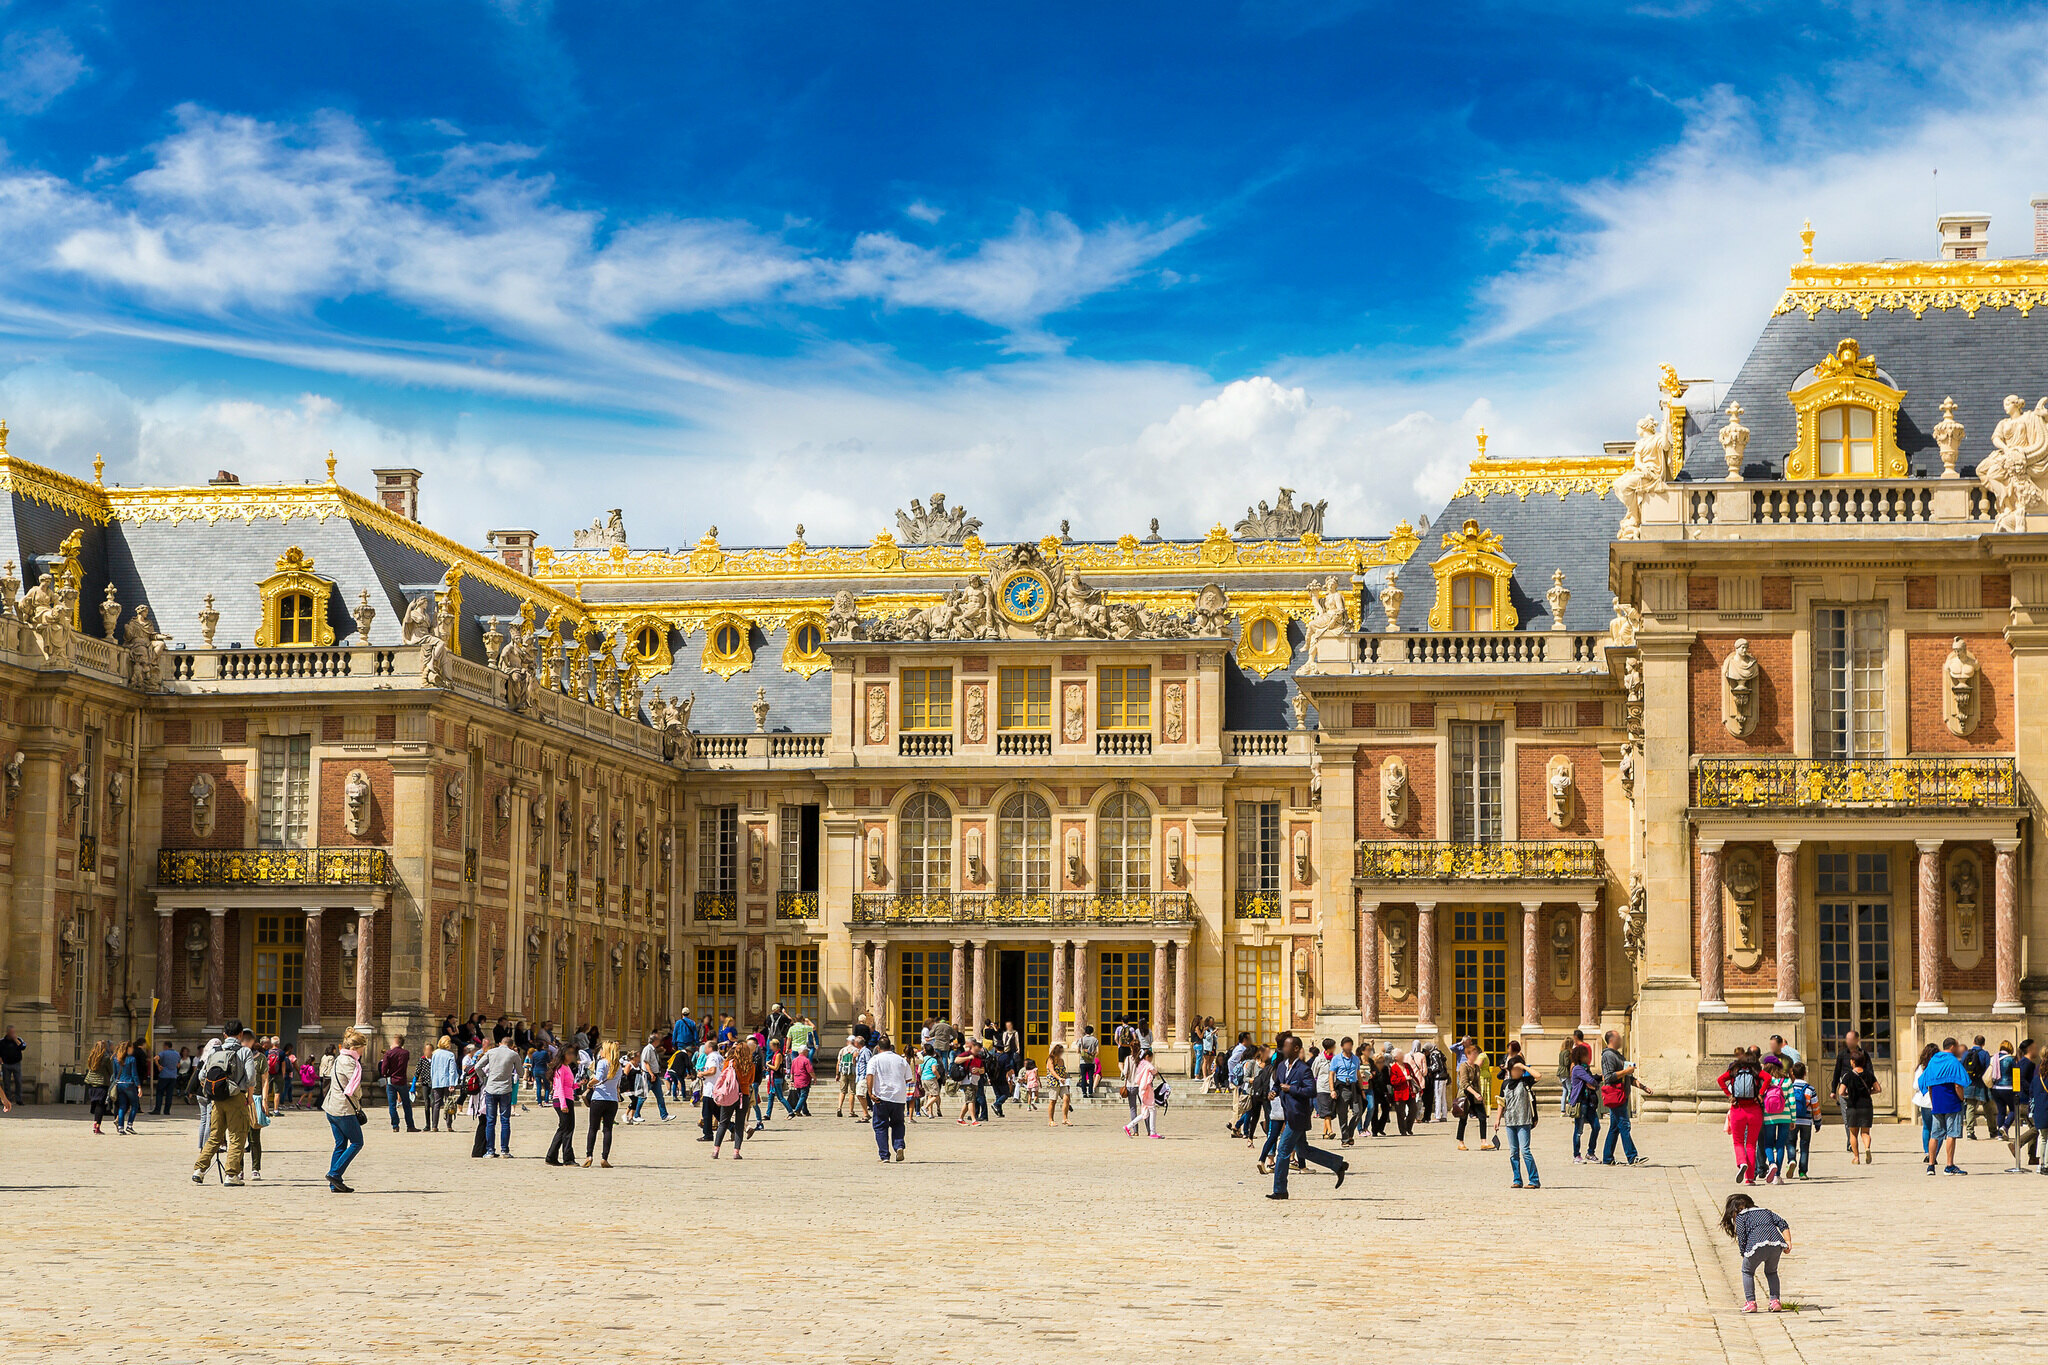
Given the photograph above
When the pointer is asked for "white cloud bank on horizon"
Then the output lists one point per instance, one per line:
(1679, 260)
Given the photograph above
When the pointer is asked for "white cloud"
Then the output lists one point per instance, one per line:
(923, 212)
(35, 68)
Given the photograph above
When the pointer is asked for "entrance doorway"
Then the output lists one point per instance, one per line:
(278, 975)
(1479, 978)
(1854, 918)
(1024, 996)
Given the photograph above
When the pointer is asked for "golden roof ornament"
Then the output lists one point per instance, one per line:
(1481, 438)
(99, 469)
(1806, 238)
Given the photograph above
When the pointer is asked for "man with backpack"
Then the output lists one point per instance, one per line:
(231, 1069)
(1985, 1073)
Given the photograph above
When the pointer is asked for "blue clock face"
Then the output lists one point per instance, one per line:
(1024, 597)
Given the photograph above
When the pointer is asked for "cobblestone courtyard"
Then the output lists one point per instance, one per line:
(1012, 1242)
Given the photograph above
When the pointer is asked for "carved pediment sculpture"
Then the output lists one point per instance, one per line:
(1330, 619)
(418, 622)
(1743, 882)
(146, 645)
(843, 622)
(1740, 683)
(1962, 689)
(935, 525)
(602, 533)
(533, 943)
(355, 796)
(565, 823)
(1212, 612)
(1635, 922)
(195, 955)
(1628, 619)
(1394, 792)
(2018, 462)
(1397, 958)
(1282, 521)
(201, 792)
(1558, 783)
(1561, 955)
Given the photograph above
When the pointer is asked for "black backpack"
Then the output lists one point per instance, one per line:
(957, 1073)
(226, 1073)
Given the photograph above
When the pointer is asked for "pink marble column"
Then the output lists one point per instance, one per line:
(1711, 951)
(1931, 921)
(2006, 927)
(1080, 987)
(862, 982)
(1532, 962)
(879, 998)
(216, 968)
(1788, 923)
(166, 945)
(309, 1013)
(366, 950)
(1158, 991)
(958, 1015)
(1368, 962)
(1425, 966)
(980, 996)
(1183, 974)
(1589, 968)
(1059, 990)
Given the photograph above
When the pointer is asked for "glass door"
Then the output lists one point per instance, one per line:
(278, 975)
(1854, 921)
(1258, 993)
(1479, 987)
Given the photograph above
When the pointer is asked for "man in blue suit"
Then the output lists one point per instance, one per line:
(1294, 1092)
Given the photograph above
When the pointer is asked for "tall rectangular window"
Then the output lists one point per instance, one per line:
(1475, 782)
(718, 848)
(799, 848)
(1125, 990)
(1258, 992)
(1853, 912)
(1849, 647)
(796, 980)
(1258, 846)
(1024, 699)
(927, 699)
(1123, 699)
(284, 765)
(88, 822)
(718, 978)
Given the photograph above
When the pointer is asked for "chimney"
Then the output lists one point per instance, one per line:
(399, 491)
(1964, 236)
(222, 477)
(515, 548)
(2041, 227)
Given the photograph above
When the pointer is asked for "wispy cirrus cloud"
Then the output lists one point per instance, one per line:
(36, 67)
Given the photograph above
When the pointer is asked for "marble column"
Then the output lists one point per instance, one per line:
(166, 946)
(1532, 967)
(1369, 962)
(1425, 966)
(1932, 946)
(309, 1013)
(958, 1015)
(1080, 987)
(1788, 924)
(1709, 908)
(216, 968)
(1059, 991)
(980, 997)
(879, 997)
(862, 988)
(366, 951)
(2005, 998)
(1158, 991)
(1589, 968)
(1183, 971)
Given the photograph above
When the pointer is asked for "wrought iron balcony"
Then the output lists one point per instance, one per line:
(1535, 860)
(1871, 784)
(1256, 904)
(941, 907)
(796, 905)
(229, 867)
(718, 905)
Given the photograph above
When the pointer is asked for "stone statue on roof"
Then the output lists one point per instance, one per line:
(2019, 460)
(602, 533)
(934, 525)
(1645, 475)
(1283, 520)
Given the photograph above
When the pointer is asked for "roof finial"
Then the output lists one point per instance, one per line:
(1806, 239)
(330, 466)
(3, 437)
(99, 468)
(1482, 442)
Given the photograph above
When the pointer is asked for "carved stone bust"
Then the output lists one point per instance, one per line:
(1739, 686)
(1394, 792)
(1961, 685)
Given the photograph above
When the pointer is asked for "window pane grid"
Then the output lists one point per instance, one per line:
(924, 864)
(1258, 846)
(1024, 699)
(718, 975)
(718, 848)
(1124, 699)
(927, 699)
(1123, 834)
(1476, 783)
(1024, 846)
(284, 767)
(1258, 992)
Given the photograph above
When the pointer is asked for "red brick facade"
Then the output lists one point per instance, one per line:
(1421, 761)
(1926, 683)
(1773, 732)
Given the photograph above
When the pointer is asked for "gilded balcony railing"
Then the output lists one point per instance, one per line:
(272, 867)
(1256, 904)
(1145, 907)
(1754, 783)
(1545, 860)
(718, 905)
(796, 905)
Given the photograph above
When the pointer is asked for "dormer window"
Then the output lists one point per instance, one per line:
(1472, 602)
(1847, 441)
(295, 604)
(648, 641)
(295, 619)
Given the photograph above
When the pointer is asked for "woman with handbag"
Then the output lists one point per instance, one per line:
(562, 1095)
(1582, 1091)
(344, 1108)
(1144, 1086)
(1471, 1100)
(728, 1093)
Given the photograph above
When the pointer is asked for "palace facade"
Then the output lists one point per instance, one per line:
(1728, 730)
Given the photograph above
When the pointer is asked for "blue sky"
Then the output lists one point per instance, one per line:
(756, 265)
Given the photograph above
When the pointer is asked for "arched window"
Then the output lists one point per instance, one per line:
(1123, 846)
(924, 846)
(648, 641)
(1261, 636)
(1472, 602)
(1847, 440)
(728, 641)
(1024, 846)
(295, 619)
(809, 639)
